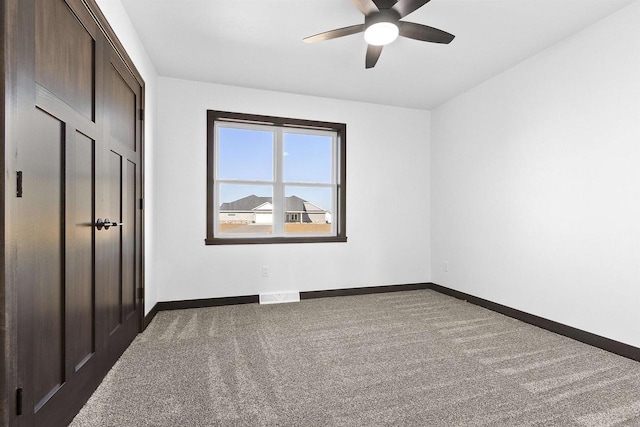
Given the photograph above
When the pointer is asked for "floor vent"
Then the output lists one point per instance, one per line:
(279, 297)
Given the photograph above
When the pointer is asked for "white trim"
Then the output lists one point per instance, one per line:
(278, 188)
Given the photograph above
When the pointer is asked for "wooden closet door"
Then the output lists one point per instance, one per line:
(119, 247)
(78, 159)
(56, 205)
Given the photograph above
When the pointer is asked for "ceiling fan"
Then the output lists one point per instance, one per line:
(382, 25)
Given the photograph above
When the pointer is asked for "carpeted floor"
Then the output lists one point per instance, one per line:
(415, 358)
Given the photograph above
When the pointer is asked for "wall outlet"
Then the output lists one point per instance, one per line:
(265, 271)
(445, 266)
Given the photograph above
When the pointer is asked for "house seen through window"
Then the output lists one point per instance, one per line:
(273, 179)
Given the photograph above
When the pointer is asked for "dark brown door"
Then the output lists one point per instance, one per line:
(118, 248)
(55, 267)
(79, 159)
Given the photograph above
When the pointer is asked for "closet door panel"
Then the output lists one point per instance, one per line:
(112, 265)
(65, 53)
(122, 110)
(129, 264)
(41, 253)
(79, 244)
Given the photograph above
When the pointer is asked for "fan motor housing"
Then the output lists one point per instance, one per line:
(385, 15)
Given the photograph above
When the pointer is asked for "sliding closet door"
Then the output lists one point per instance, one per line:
(76, 227)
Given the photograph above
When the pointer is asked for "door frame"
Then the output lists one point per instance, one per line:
(14, 57)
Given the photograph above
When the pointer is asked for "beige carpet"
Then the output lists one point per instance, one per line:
(415, 358)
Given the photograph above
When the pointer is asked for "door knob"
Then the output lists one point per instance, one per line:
(106, 224)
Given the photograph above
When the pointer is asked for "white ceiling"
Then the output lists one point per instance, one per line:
(258, 44)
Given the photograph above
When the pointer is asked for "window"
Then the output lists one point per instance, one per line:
(274, 180)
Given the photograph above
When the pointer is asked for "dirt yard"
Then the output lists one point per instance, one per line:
(295, 227)
(290, 227)
(224, 228)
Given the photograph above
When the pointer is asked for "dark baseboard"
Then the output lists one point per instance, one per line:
(363, 290)
(249, 299)
(607, 344)
(207, 302)
(149, 316)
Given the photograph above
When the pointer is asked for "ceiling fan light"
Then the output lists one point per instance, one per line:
(381, 33)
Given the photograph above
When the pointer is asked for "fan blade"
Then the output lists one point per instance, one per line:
(385, 4)
(424, 33)
(365, 6)
(334, 34)
(373, 53)
(405, 7)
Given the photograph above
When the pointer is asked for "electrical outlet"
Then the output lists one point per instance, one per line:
(265, 271)
(445, 266)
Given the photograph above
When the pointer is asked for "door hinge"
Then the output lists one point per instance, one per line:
(19, 184)
(142, 114)
(19, 401)
(141, 204)
(140, 293)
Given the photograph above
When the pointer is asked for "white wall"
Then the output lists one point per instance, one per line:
(536, 183)
(387, 172)
(122, 26)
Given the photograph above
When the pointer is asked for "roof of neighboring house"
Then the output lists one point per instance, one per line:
(245, 204)
(310, 207)
(249, 203)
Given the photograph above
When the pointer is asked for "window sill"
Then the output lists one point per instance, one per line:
(272, 240)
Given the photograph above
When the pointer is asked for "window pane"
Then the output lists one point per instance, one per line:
(308, 210)
(245, 209)
(307, 158)
(245, 154)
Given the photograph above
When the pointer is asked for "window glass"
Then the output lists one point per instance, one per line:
(308, 210)
(245, 209)
(307, 158)
(245, 154)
